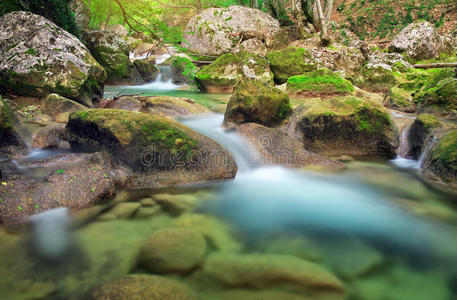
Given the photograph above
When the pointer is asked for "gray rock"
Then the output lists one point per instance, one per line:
(218, 30)
(38, 58)
(54, 105)
(419, 40)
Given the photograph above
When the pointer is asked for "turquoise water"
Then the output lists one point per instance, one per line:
(379, 228)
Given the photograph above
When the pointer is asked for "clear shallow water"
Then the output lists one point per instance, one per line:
(376, 226)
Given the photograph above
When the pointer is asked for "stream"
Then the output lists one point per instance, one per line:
(385, 233)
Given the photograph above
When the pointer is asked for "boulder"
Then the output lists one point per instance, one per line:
(346, 125)
(147, 69)
(439, 93)
(258, 102)
(290, 62)
(379, 74)
(54, 105)
(142, 287)
(254, 46)
(277, 148)
(81, 12)
(157, 150)
(38, 58)
(419, 133)
(321, 82)
(221, 75)
(111, 51)
(130, 103)
(172, 106)
(51, 136)
(419, 40)
(261, 271)
(442, 160)
(173, 250)
(399, 99)
(68, 180)
(216, 31)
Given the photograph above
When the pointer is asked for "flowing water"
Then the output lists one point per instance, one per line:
(375, 225)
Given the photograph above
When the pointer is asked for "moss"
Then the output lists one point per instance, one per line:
(224, 71)
(116, 63)
(428, 121)
(379, 75)
(290, 62)
(132, 128)
(439, 93)
(320, 82)
(259, 102)
(31, 51)
(444, 157)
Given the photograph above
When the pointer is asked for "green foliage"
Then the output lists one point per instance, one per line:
(55, 10)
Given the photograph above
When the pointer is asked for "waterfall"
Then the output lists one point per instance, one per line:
(245, 155)
(404, 148)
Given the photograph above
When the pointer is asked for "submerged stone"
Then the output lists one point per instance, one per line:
(173, 250)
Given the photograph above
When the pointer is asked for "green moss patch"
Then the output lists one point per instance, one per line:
(444, 157)
(290, 62)
(319, 82)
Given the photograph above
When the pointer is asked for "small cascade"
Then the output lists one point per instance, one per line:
(245, 155)
(403, 160)
(428, 147)
(404, 148)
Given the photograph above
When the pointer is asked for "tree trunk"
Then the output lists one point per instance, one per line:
(322, 20)
(328, 10)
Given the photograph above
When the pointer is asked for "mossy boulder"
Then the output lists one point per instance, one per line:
(173, 106)
(173, 250)
(54, 105)
(419, 133)
(290, 62)
(439, 93)
(259, 271)
(376, 77)
(442, 160)
(8, 134)
(258, 102)
(345, 125)
(140, 287)
(222, 74)
(400, 99)
(112, 52)
(156, 148)
(38, 58)
(321, 82)
(147, 69)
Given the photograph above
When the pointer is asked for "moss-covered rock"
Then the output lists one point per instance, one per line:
(8, 135)
(439, 93)
(346, 125)
(222, 74)
(442, 160)
(38, 58)
(54, 105)
(172, 106)
(376, 77)
(139, 287)
(290, 62)
(399, 99)
(419, 132)
(150, 145)
(173, 250)
(258, 102)
(321, 82)
(147, 69)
